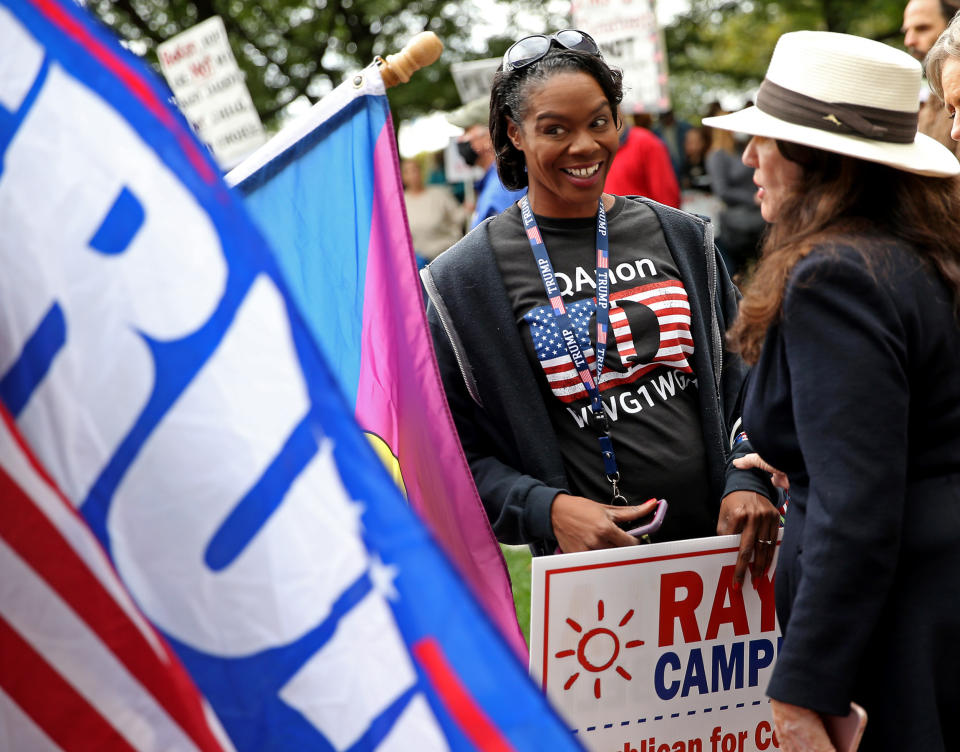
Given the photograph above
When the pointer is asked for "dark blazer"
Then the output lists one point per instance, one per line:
(856, 396)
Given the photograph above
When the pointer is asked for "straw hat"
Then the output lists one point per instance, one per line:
(847, 95)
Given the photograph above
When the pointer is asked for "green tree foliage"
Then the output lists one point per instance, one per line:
(724, 46)
(293, 48)
(286, 49)
(433, 88)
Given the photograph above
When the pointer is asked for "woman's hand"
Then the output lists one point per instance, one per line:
(799, 729)
(581, 524)
(758, 522)
(754, 460)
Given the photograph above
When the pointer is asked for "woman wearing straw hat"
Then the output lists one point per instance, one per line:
(852, 324)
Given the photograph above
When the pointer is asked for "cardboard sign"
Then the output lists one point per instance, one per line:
(211, 92)
(651, 648)
(630, 39)
(474, 77)
(456, 169)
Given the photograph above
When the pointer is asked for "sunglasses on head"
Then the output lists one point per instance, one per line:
(530, 49)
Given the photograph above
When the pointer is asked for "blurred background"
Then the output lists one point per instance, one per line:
(295, 51)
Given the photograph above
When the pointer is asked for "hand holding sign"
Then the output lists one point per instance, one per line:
(581, 524)
(758, 521)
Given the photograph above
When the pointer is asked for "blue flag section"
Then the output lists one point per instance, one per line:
(317, 217)
(158, 370)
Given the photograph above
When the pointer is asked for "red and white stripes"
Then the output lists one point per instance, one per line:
(82, 669)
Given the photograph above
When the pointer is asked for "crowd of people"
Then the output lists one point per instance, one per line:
(598, 358)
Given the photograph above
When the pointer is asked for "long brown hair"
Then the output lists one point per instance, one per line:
(842, 200)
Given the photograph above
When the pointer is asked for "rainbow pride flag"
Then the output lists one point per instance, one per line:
(327, 194)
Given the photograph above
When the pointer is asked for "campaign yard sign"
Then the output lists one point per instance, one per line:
(653, 649)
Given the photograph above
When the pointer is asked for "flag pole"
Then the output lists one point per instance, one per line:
(419, 52)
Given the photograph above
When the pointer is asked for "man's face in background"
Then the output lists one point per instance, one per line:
(923, 22)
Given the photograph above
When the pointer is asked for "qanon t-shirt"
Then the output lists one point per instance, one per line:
(648, 388)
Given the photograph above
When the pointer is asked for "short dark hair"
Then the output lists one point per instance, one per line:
(508, 100)
(948, 9)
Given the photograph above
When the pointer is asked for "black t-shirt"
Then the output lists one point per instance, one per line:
(648, 388)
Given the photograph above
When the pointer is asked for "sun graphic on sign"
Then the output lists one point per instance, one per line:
(598, 650)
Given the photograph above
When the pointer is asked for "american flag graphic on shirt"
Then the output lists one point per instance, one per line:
(669, 304)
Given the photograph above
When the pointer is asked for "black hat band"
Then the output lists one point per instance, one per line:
(891, 126)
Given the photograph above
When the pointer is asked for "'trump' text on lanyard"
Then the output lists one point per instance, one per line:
(568, 333)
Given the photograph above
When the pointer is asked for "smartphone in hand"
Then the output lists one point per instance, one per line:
(652, 522)
(846, 731)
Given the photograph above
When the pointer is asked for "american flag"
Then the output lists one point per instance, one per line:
(534, 234)
(83, 669)
(667, 300)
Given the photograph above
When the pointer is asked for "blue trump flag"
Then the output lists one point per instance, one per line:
(157, 369)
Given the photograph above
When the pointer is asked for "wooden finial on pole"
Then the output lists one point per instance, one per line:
(419, 52)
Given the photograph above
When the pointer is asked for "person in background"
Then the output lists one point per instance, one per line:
(476, 148)
(437, 175)
(642, 167)
(696, 144)
(741, 224)
(852, 322)
(695, 190)
(567, 439)
(943, 73)
(673, 133)
(435, 218)
(923, 22)
(714, 108)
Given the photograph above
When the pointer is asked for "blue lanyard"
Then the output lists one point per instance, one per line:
(568, 332)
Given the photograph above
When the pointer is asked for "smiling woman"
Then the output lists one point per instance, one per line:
(568, 140)
(576, 402)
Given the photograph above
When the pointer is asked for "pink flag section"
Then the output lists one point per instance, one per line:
(401, 399)
(81, 668)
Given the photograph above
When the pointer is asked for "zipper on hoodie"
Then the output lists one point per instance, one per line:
(713, 276)
(434, 294)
